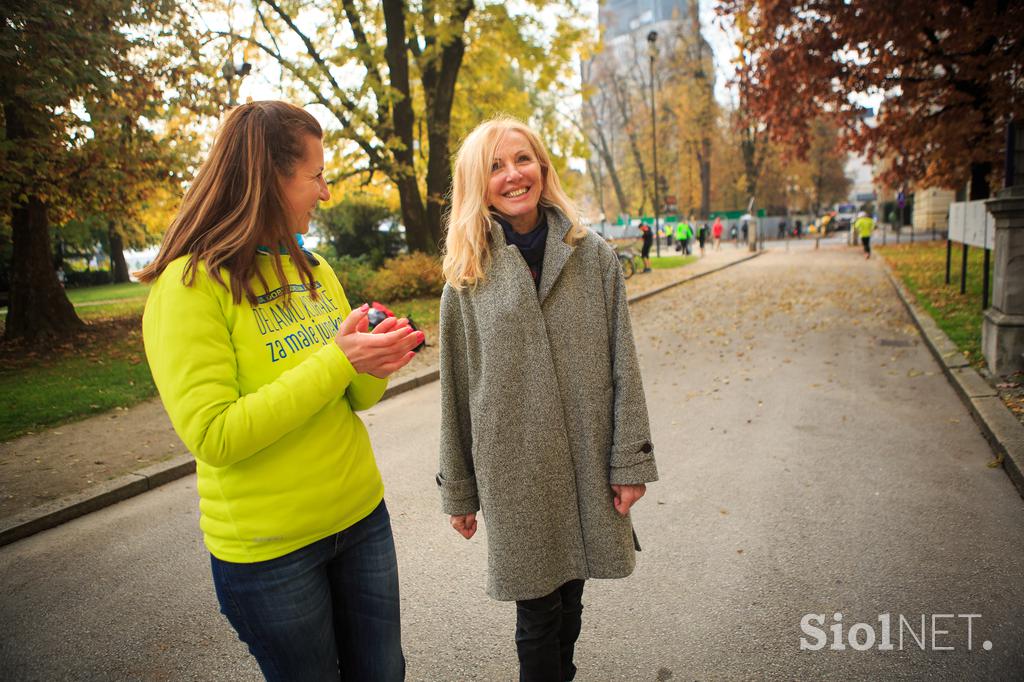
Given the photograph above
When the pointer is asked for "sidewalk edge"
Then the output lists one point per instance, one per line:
(1001, 428)
(670, 285)
(53, 514)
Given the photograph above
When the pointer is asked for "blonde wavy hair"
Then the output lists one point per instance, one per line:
(467, 249)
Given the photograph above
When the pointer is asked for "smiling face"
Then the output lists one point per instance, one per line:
(305, 187)
(516, 182)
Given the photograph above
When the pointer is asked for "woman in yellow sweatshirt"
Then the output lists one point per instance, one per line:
(262, 365)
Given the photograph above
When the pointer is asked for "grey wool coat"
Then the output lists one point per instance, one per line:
(542, 409)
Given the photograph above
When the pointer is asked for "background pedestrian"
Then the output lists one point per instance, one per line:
(865, 225)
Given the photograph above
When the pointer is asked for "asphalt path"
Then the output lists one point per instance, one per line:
(813, 460)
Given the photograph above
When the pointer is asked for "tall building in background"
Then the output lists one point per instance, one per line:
(623, 17)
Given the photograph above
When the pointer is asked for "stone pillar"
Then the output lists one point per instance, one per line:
(1002, 331)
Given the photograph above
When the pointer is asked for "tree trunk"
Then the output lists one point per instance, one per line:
(39, 308)
(439, 86)
(601, 145)
(118, 265)
(414, 217)
(439, 180)
(707, 101)
(621, 97)
(595, 180)
(705, 178)
(751, 159)
(609, 163)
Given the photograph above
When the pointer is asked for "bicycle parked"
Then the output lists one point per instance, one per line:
(628, 259)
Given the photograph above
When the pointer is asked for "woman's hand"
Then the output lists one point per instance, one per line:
(390, 324)
(627, 495)
(381, 353)
(465, 524)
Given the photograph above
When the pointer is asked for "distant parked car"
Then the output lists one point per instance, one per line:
(845, 215)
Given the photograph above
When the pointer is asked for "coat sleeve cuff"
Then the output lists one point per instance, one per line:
(458, 497)
(633, 464)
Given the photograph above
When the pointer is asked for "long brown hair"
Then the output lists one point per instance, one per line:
(235, 203)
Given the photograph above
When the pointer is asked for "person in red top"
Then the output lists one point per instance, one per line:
(645, 251)
(716, 232)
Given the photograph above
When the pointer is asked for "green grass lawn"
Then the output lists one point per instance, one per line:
(98, 370)
(130, 297)
(423, 311)
(922, 267)
(669, 262)
(107, 311)
(108, 292)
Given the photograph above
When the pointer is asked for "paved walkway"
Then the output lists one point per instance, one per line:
(814, 460)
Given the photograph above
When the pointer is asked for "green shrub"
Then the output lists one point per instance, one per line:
(352, 227)
(413, 275)
(408, 276)
(87, 278)
(355, 275)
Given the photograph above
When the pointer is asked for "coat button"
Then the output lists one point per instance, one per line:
(646, 449)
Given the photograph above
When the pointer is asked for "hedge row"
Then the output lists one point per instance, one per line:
(87, 278)
(401, 278)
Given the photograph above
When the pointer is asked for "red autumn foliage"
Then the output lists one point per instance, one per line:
(952, 74)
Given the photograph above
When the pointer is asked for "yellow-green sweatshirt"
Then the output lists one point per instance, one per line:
(265, 400)
(864, 226)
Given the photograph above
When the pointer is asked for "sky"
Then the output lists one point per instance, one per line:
(724, 48)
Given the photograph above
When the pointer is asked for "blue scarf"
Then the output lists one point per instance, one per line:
(530, 245)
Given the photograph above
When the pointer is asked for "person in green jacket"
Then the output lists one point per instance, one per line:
(262, 366)
(684, 233)
(865, 225)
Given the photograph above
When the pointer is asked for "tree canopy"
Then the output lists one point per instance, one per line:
(390, 74)
(949, 73)
(81, 83)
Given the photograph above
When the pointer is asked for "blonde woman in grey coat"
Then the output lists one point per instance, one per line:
(544, 425)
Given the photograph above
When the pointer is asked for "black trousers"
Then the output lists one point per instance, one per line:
(546, 632)
(866, 241)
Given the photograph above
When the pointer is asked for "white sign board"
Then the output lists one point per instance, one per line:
(970, 223)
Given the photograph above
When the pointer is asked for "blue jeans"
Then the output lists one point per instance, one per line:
(328, 611)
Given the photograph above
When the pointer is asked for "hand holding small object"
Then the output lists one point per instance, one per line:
(379, 353)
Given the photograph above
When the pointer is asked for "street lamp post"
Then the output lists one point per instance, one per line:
(232, 70)
(790, 188)
(652, 49)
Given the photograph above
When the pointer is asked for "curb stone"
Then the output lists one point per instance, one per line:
(998, 424)
(648, 294)
(43, 517)
(52, 514)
